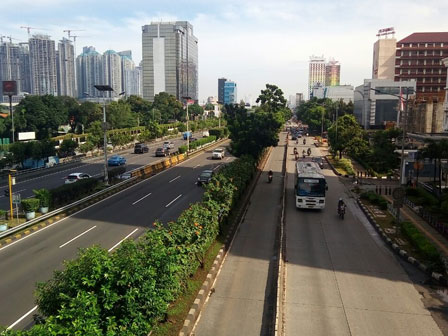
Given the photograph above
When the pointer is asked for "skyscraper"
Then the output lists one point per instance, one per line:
(221, 82)
(317, 72)
(384, 55)
(127, 66)
(43, 65)
(66, 68)
(112, 74)
(332, 73)
(170, 60)
(15, 65)
(133, 84)
(89, 71)
(230, 92)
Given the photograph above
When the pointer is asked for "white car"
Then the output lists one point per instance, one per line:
(218, 153)
(75, 177)
(168, 144)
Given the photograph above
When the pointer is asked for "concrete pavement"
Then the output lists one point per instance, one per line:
(243, 299)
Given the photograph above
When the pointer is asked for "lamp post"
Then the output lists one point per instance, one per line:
(364, 109)
(10, 89)
(104, 88)
(188, 135)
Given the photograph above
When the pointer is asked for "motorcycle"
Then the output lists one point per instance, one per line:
(341, 211)
(309, 151)
(270, 178)
(304, 141)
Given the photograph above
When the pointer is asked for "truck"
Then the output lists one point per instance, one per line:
(310, 186)
(187, 135)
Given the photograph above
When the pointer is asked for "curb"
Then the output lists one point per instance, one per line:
(402, 253)
(206, 288)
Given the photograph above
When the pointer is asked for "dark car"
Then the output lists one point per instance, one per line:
(140, 148)
(162, 151)
(319, 161)
(205, 177)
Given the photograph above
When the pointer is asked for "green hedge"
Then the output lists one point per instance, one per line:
(115, 172)
(423, 246)
(195, 144)
(128, 291)
(219, 132)
(68, 193)
(345, 164)
(421, 197)
(375, 199)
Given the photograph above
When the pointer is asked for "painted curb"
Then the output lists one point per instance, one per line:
(402, 253)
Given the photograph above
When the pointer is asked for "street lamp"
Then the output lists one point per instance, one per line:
(409, 90)
(188, 135)
(104, 88)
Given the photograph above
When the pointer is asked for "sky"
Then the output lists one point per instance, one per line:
(252, 42)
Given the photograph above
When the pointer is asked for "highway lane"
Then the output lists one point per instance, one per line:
(128, 213)
(94, 167)
(340, 278)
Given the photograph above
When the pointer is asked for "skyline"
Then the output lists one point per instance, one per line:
(251, 42)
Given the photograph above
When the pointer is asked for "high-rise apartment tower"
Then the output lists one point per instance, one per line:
(43, 65)
(65, 64)
(332, 73)
(317, 72)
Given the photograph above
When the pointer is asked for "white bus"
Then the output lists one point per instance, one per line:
(310, 186)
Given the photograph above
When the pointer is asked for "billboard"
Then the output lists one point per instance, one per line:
(27, 136)
(10, 88)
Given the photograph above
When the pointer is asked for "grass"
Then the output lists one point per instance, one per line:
(343, 166)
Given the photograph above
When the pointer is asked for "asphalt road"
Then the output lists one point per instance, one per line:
(94, 167)
(126, 214)
(340, 278)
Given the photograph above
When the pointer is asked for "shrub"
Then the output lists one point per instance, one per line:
(67, 193)
(44, 197)
(424, 246)
(3, 214)
(376, 199)
(30, 204)
(114, 172)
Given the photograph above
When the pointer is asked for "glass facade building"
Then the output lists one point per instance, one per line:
(170, 60)
(230, 96)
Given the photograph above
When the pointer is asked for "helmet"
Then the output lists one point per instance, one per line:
(340, 198)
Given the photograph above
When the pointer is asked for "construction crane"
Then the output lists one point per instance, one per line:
(28, 29)
(68, 31)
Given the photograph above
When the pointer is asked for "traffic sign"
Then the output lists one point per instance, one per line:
(16, 198)
(398, 193)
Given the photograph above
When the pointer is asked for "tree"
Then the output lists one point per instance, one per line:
(272, 98)
(209, 107)
(67, 147)
(85, 114)
(96, 134)
(168, 105)
(346, 135)
(119, 115)
(194, 111)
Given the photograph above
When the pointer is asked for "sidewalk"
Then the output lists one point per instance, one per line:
(243, 298)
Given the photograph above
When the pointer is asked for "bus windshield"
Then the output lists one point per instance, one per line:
(314, 187)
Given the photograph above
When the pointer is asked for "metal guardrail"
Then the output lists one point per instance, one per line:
(135, 173)
(62, 209)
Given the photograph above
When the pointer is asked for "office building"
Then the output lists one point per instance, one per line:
(383, 66)
(419, 57)
(89, 71)
(170, 60)
(445, 103)
(373, 104)
(112, 73)
(127, 66)
(299, 99)
(221, 82)
(332, 73)
(335, 93)
(43, 65)
(65, 64)
(230, 92)
(133, 82)
(15, 65)
(317, 73)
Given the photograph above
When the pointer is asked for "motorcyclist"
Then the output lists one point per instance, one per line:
(295, 151)
(308, 151)
(304, 141)
(270, 175)
(341, 204)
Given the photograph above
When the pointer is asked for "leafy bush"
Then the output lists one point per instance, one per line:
(376, 199)
(44, 197)
(424, 246)
(128, 291)
(67, 193)
(219, 132)
(114, 172)
(421, 197)
(30, 204)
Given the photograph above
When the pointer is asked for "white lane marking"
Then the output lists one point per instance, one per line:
(196, 166)
(81, 234)
(174, 179)
(141, 199)
(174, 200)
(122, 240)
(217, 167)
(20, 319)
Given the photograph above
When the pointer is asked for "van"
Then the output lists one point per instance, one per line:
(205, 134)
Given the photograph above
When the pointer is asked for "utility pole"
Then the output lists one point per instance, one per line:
(187, 99)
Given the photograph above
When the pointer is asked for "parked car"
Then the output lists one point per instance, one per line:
(75, 177)
(168, 144)
(140, 148)
(116, 160)
(218, 153)
(205, 177)
(162, 151)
